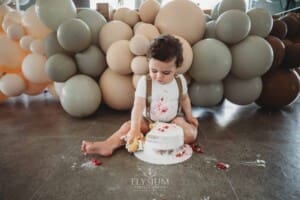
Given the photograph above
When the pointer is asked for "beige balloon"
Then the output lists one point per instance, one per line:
(25, 42)
(55, 12)
(148, 30)
(187, 54)
(131, 18)
(33, 24)
(91, 62)
(37, 46)
(12, 85)
(148, 11)
(189, 24)
(120, 94)
(4, 9)
(113, 31)
(33, 68)
(94, 20)
(120, 13)
(139, 45)
(74, 35)
(11, 17)
(119, 57)
(140, 65)
(233, 26)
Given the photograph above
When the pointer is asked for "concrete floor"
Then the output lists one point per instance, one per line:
(40, 156)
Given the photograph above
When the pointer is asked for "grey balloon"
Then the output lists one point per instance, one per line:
(60, 67)
(52, 46)
(91, 61)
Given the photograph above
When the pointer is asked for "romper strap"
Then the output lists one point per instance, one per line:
(179, 84)
(148, 95)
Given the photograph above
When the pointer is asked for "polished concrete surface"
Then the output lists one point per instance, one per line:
(40, 156)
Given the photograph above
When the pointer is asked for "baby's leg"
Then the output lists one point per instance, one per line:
(190, 131)
(106, 147)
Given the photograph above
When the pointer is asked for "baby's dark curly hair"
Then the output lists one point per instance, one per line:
(165, 48)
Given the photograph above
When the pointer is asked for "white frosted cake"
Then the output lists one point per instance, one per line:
(164, 144)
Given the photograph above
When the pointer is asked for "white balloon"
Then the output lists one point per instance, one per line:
(12, 85)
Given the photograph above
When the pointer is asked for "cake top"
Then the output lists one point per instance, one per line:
(162, 129)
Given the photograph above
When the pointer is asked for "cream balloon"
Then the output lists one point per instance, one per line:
(131, 18)
(187, 54)
(33, 24)
(261, 22)
(190, 24)
(55, 12)
(119, 57)
(148, 30)
(80, 96)
(113, 31)
(33, 68)
(74, 35)
(37, 46)
(120, 94)
(226, 5)
(25, 42)
(95, 22)
(12, 85)
(148, 11)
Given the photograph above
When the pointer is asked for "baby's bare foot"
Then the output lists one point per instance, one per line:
(102, 148)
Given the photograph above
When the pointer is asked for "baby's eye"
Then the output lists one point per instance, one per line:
(154, 71)
(166, 73)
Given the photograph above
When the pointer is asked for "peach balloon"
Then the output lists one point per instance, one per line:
(119, 57)
(120, 13)
(11, 54)
(187, 56)
(148, 30)
(189, 24)
(12, 85)
(33, 68)
(148, 11)
(113, 31)
(4, 9)
(33, 24)
(139, 45)
(131, 18)
(120, 94)
(11, 18)
(140, 65)
(34, 89)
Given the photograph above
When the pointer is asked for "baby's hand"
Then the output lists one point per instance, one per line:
(194, 121)
(134, 140)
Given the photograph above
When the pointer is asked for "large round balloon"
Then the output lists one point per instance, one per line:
(206, 94)
(226, 5)
(12, 85)
(148, 11)
(212, 61)
(242, 91)
(189, 24)
(280, 88)
(53, 13)
(52, 46)
(120, 94)
(74, 35)
(261, 22)
(80, 96)
(251, 57)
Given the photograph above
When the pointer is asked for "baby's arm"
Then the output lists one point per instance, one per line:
(136, 118)
(187, 109)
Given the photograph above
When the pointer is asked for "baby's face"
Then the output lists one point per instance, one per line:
(163, 72)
